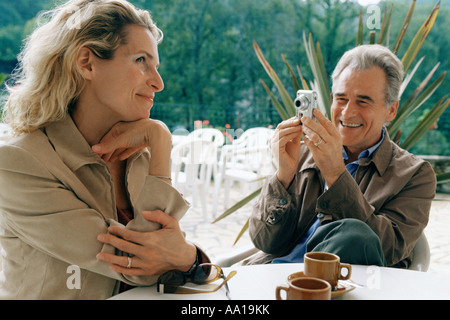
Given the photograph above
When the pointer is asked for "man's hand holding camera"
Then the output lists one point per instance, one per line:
(325, 143)
(285, 145)
(321, 137)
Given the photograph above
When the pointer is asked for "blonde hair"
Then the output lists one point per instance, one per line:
(48, 81)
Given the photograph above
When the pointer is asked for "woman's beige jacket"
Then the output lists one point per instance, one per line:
(56, 197)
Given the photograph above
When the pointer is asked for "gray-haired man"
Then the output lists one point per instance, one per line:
(347, 189)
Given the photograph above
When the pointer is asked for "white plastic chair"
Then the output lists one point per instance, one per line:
(246, 160)
(234, 256)
(421, 255)
(192, 163)
(210, 134)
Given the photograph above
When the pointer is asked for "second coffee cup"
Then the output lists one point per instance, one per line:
(326, 266)
(305, 289)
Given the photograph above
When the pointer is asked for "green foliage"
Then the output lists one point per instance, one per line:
(14, 16)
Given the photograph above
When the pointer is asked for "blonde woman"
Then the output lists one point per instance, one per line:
(86, 202)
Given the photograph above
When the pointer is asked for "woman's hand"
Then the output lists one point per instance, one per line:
(153, 252)
(325, 143)
(285, 145)
(127, 138)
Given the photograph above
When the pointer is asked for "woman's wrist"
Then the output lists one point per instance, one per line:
(197, 261)
(159, 143)
(159, 164)
(191, 260)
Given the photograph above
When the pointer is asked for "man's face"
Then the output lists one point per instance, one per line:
(359, 107)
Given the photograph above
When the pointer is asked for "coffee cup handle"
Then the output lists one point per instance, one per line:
(349, 271)
(278, 290)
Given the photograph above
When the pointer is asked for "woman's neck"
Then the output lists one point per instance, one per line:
(92, 121)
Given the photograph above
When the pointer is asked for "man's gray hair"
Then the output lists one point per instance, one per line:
(367, 56)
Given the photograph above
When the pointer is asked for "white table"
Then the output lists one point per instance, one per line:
(259, 282)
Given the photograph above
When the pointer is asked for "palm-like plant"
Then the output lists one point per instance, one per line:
(421, 94)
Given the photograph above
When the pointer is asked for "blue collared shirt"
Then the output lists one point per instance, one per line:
(296, 255)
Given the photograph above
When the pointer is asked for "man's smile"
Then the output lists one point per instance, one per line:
(346, 124)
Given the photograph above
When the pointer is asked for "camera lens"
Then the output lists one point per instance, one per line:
(302, 102)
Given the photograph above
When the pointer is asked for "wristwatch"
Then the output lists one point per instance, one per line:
(195, 264)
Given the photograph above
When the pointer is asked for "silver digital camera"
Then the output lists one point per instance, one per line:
(305, 103)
